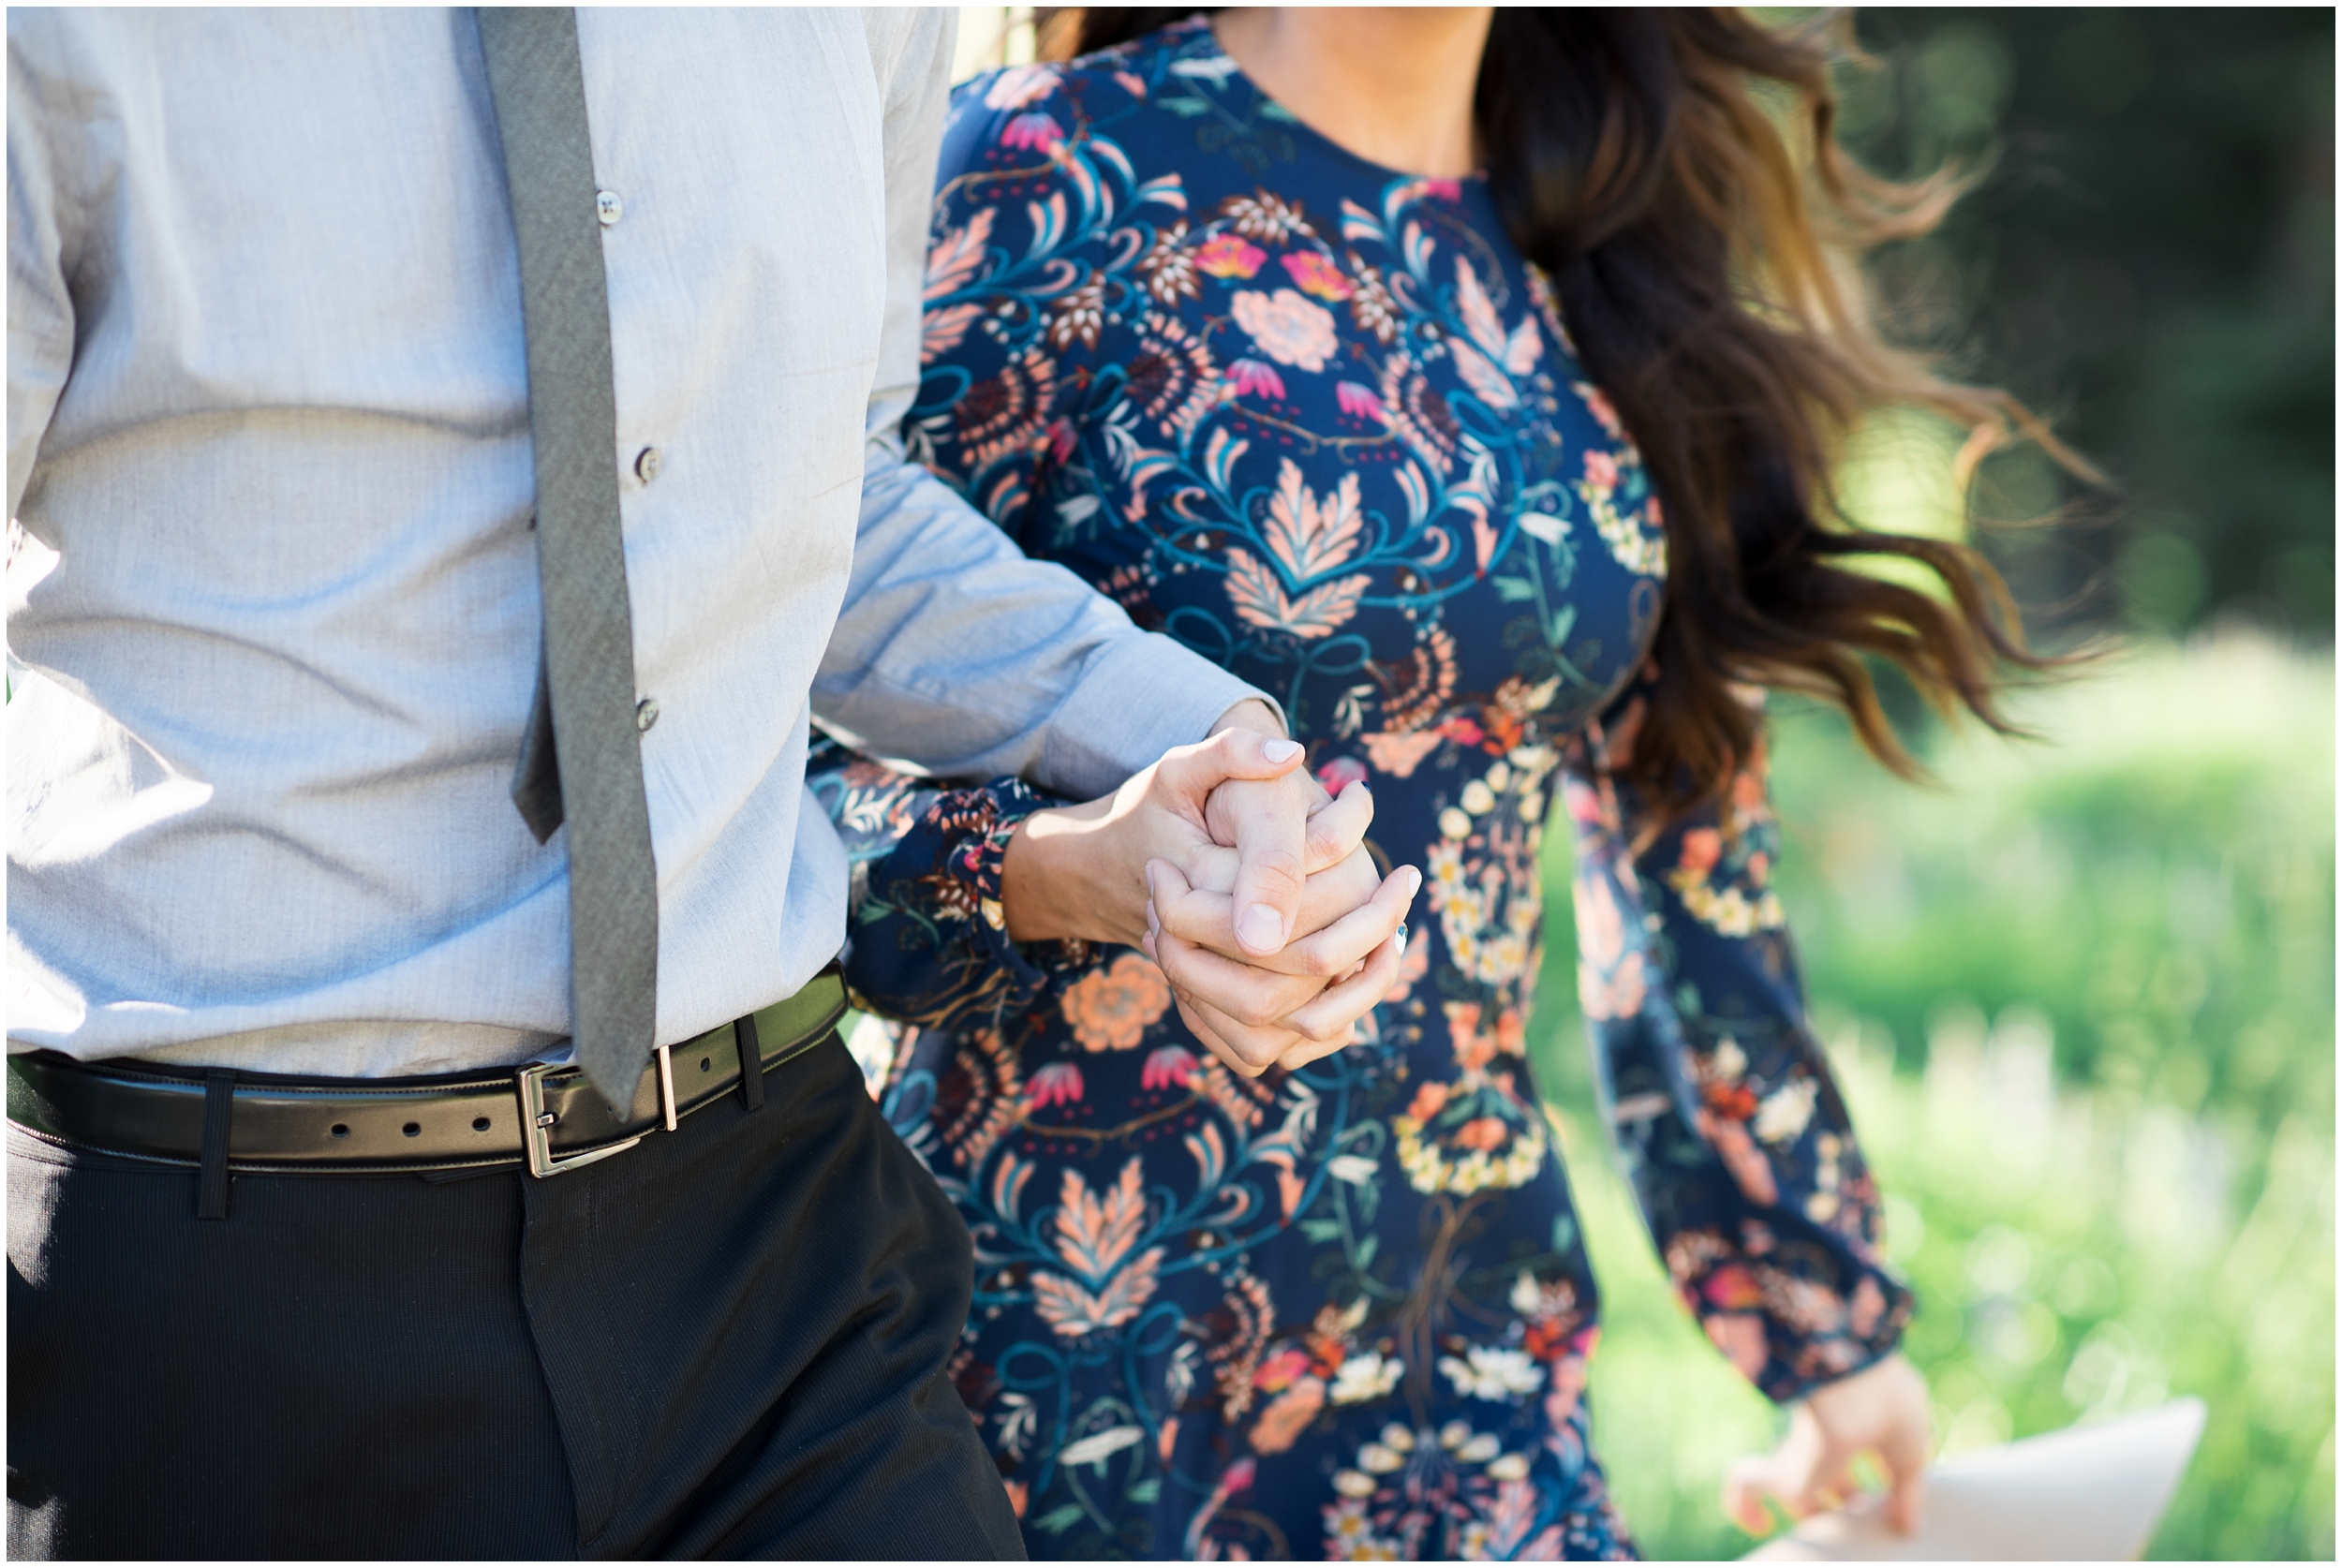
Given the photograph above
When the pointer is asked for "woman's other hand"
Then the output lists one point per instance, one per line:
(1881, 1409)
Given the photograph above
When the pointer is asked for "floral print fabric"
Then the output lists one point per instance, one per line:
(1321, 422)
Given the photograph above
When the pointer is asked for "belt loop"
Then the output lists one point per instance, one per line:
(219, 1110)
(666, 1085)
(751, 1063)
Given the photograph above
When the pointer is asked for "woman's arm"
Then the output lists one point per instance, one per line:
(1730, 1124)
(927, 942)
(967, 899)
(1729, 1118)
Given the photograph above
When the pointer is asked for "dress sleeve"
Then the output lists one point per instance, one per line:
(1015, 300)
(927, 943)
(1728, 1119)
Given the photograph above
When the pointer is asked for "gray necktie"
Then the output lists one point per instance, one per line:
(582, 758)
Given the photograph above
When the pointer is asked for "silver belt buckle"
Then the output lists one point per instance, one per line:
(537, 1126)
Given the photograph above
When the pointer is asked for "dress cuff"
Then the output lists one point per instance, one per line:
(1026, 967)
(1787, 1332)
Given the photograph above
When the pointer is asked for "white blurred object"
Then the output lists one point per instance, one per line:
(873, 1051)
(2087, 1494)
(991, 36)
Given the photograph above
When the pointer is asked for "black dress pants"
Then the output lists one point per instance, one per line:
(729, 1341)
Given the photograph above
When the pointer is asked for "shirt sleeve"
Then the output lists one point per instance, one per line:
(1727, 1117)
(927, 942)
(952, 647)
(45, 127)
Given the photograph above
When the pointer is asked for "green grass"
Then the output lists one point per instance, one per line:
(2082, 998)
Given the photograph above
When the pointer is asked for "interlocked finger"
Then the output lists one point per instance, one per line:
(1242, 1049)
(1337, 830)
(1323, 1026)
(1335, 837)
(1205, 1035)
(1242, 1003)
(1243, 988)
(1333, 1013)
(1330, 951)
(1248, 1052)
(1323, 1023)
(1326, 897)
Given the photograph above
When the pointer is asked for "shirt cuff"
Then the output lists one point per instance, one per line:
(1139, 697)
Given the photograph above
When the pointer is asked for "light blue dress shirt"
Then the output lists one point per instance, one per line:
(273, 605)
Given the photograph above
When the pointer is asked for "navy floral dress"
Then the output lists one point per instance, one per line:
(1320, 422)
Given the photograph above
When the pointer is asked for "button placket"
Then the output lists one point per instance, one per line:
(609, 207)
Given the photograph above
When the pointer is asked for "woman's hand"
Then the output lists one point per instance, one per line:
(1307, 1002)
(1205, 912)
(1881, 1410)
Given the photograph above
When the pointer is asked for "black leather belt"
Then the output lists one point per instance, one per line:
(548, 1117)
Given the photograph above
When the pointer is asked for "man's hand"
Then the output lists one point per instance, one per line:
(1881, 1409)
(1272, 825)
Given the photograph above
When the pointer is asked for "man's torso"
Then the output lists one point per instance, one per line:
(273, 621)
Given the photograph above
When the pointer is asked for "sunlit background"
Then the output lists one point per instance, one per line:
(2081, 994)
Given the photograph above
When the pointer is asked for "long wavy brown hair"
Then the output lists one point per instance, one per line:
(1676, 173)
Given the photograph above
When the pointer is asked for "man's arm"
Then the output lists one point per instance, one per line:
(953, 649)
(40, 309)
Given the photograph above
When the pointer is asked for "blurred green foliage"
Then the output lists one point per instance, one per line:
(2148, 258)
(2082, 999)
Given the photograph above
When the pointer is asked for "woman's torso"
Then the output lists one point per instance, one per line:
(1319, 422)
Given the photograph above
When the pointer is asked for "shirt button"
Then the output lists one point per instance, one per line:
(646, 713)
(648, 462)
(608, 208)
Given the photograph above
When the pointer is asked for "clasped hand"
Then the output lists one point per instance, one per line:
(1250, 888)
